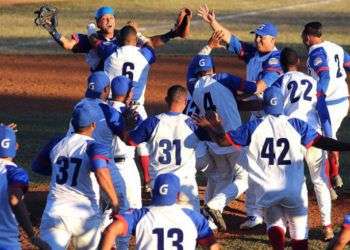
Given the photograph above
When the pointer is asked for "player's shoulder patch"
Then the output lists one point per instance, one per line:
(317, 61)
(273, 61)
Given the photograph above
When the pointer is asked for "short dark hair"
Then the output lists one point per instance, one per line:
(313, 28)
(289, 57)
(175, 92)
(125, 32)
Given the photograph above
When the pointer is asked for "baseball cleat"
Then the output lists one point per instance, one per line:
(217, 218)
(252, 221)
(328, 233)
(337, 181)
(333, 193)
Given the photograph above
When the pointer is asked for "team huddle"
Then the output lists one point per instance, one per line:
(95, 193)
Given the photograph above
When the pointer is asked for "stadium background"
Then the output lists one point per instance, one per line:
(40, 82)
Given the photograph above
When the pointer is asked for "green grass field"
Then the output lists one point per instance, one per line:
(19, 35)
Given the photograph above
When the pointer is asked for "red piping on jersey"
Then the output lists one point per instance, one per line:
(347, 64)
(100, 157)
(75, 37)
(23, 187)
(124, 223)
(207, 241)
(241, 85)
(228, 137)
(319, 94)
(347, 226)
(313, 141)
(130, 142)
(320, 69)
(97, 44)
(241, 54)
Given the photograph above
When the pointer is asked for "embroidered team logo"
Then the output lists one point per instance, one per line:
(92, 85)
(317, 61)
(273, 61)
(163, 190)
(5, 143)
(261, 27)
(201, 62)
(274, 101)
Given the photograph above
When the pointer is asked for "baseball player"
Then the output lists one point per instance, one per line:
(14, 183)
(275, 154)
(174, 143)
(327, 63)
(78, 166)
(217, 91)
(164, 224)
(263, 66)
(299, 91)
(343, 237)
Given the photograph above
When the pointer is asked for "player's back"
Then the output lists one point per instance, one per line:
(173, 144)
(299, 91)
(210, 94)
(276, 159)
(337, 87)
(74, 190)
(134, 63)
(167, 227)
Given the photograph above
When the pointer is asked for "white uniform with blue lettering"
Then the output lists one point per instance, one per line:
(72, 208)
(167, 227)
(300, 99)
(10, 175)
(134, 63)
(330, 56)
(173, 145)
(226, 179)
(275, 157)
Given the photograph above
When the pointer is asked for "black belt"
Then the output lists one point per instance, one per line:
(119, 159)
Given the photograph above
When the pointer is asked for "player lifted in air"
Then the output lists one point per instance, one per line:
(78, 166)
(164, 224)
(263, 67)
(275, 154)
(327, 63)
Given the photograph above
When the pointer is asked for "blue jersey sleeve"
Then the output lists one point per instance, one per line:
(199, 132)
(130, 219)
(346, 223)
(346, 61)
(205, 234)
(114, 118)
(318, 62)
(106, 48)
(42, 163)
(271, 68)
(245, 51)
(234, 83)
(98, 155)
(308, 135)
(82, 45)
(143, 132)
(149, 54)
(242, 135)
(17, 177)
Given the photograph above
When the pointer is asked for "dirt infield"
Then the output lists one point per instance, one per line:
(54, 83)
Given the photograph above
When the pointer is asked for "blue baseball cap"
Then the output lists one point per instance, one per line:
(273, 101)
(83, 115)
(8, 146)
(166, 189)
(104, 11)
(266, 29)
(96, 82)
(204, 62)
(120, 86)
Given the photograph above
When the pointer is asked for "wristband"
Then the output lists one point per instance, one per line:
(205, 50)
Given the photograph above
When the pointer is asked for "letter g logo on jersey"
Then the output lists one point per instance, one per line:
(201, 62)
(273, 101)
(163, 190)
(5, 143)
(91, 85)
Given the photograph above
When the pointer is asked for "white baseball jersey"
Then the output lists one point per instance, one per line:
(133, 62)
(329, 56)
(299, 91)
(10, 175)
(173, 140)
(276, 157)
(167, 227)
(74, 190)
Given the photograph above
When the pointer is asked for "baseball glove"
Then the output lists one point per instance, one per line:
(46, 17)
(182, 25)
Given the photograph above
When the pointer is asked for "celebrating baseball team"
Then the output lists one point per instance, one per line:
(113, 153)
